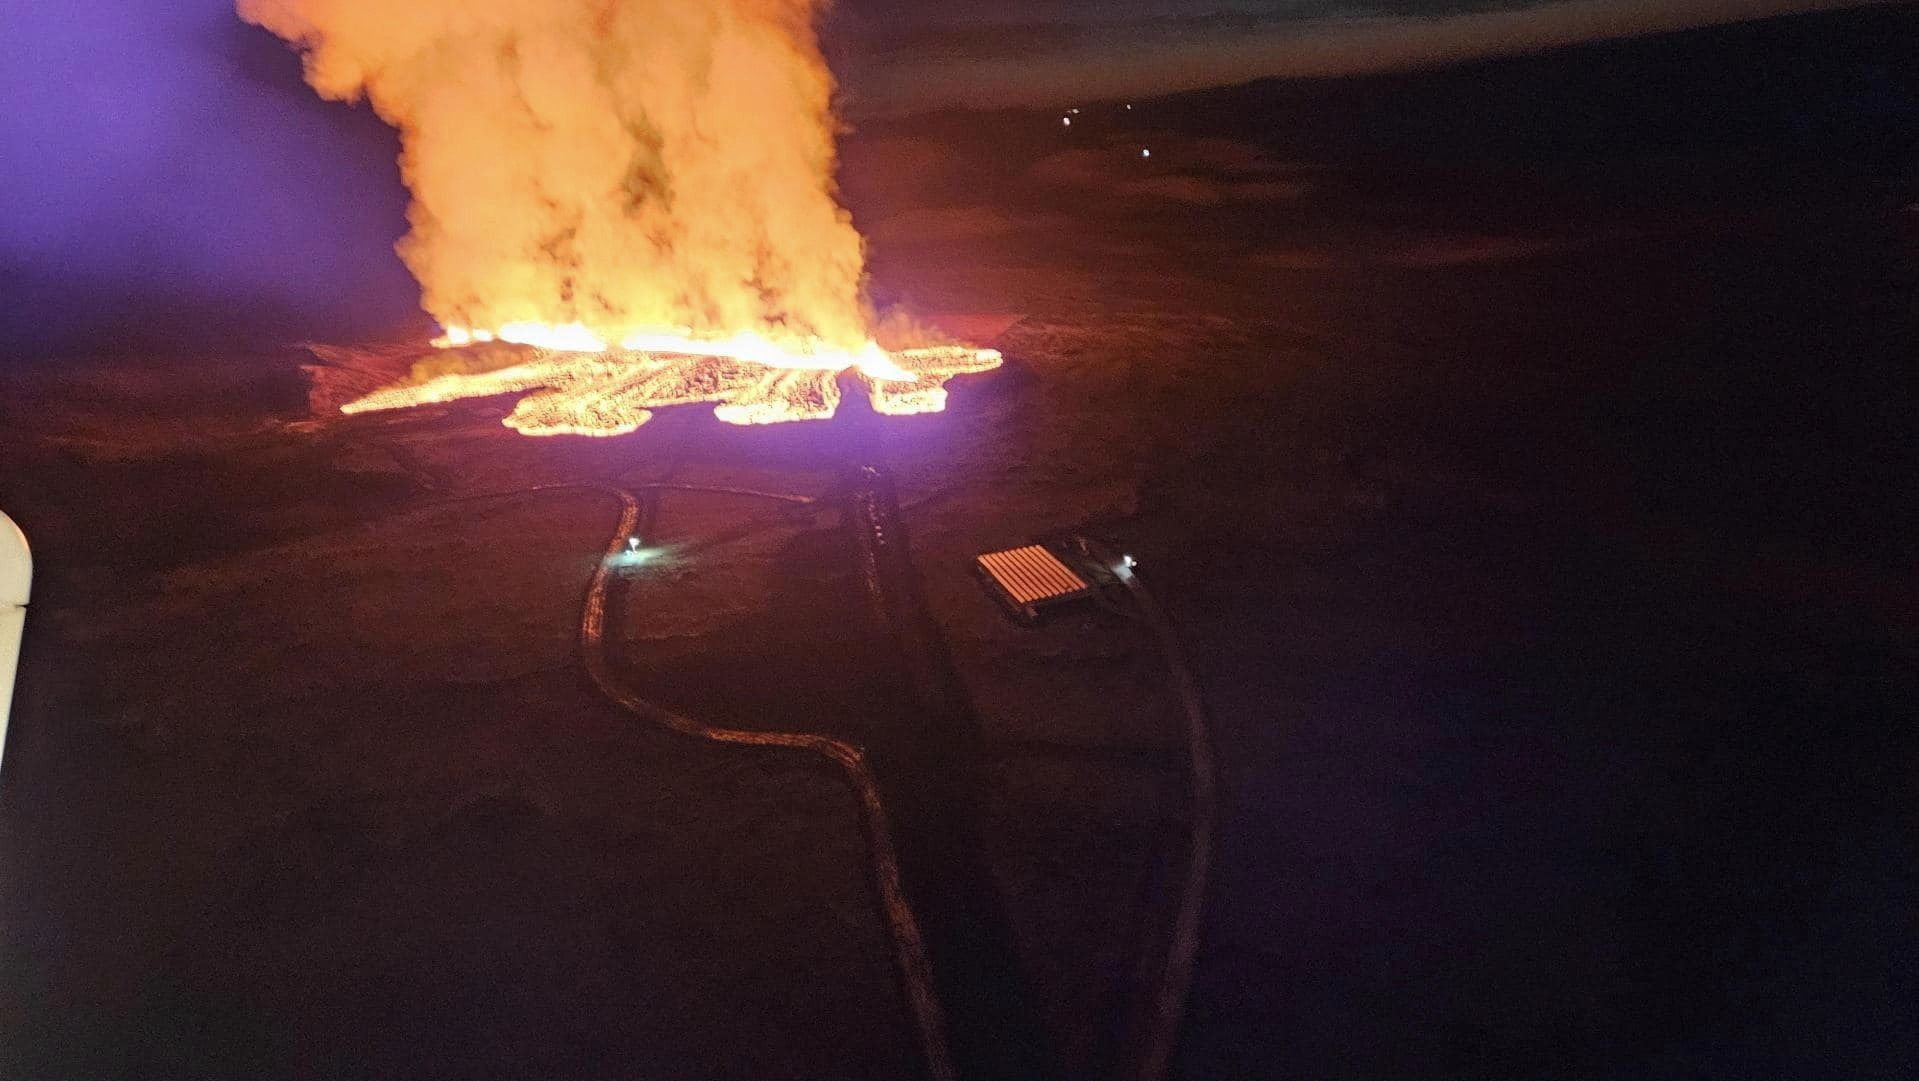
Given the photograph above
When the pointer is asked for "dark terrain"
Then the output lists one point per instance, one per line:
(1524, 449)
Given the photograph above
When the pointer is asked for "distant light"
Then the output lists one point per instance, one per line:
(632, 544)
(1129, 561)
(1075, 112)
(1145, 153)
(1129, 108)
(1066, 120)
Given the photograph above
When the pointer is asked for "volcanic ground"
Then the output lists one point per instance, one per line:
(1533, 498)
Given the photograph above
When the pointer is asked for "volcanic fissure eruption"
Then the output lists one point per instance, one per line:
(628, 203)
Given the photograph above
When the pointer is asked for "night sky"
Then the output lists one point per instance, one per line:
(907, 54)
(165, 155)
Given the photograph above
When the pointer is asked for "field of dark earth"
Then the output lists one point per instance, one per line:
(1524, 452)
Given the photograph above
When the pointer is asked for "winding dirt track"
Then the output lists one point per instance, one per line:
(908, 945)
(1182, 948)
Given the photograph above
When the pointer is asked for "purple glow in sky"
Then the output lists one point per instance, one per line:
(165, 158)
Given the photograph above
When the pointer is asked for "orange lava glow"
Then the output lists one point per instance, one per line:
(575, 383)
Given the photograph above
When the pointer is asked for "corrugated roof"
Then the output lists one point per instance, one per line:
(1032, 574)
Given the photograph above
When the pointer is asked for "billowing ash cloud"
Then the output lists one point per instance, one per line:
(620, 163)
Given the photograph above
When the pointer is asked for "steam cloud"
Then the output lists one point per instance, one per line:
(625, 164)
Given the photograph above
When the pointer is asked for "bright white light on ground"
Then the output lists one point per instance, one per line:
(1066, 121)
(1145, 153)
(1129, 561)
(637, 555)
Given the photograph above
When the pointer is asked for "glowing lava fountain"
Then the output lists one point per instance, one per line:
(576, 385)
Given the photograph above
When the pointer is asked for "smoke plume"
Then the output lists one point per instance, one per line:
(625, 164)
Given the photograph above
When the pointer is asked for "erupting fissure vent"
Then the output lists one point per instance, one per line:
(641, 194)
(614, 392)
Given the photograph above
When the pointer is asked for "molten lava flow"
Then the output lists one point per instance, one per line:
(575, 384)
